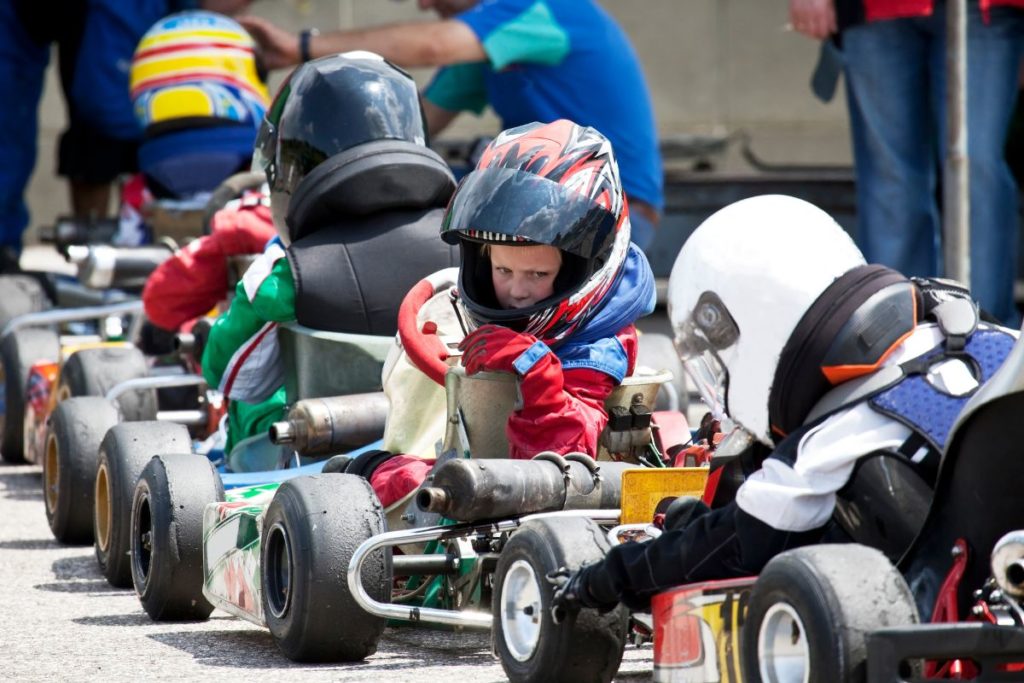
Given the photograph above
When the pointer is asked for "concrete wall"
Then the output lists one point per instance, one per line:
(713, 66)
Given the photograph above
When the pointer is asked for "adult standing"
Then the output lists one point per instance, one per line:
(531, 60)
(96, 39)
(894, 61)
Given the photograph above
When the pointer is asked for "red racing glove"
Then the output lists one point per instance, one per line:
(498, 349)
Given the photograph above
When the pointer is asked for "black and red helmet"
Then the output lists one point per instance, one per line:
(555, 184)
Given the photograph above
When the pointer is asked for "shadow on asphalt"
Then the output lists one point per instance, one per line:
(397, 651)
(30, 544)
(78, 574)
(249, 649)
(21, 482)
(135, 619)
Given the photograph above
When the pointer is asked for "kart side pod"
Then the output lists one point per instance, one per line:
(470, 490)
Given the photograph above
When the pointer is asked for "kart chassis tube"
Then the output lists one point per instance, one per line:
(186, 417)
(66, 315)
(464, 618)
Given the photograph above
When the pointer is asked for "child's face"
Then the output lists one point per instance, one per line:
(523, 276)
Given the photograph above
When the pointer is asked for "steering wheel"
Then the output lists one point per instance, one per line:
(424, 347)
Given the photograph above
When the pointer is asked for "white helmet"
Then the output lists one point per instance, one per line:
(772, 304)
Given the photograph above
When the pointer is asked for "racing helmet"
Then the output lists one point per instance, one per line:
(772, 305)
(198, 94)
(346, 134)
(553, 184)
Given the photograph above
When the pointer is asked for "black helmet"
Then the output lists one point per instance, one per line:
(555, 184)
(329, 109)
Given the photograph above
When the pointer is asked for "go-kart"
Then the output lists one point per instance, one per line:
(313, 559)
(162, 487)
(45, 316)
(949, 605)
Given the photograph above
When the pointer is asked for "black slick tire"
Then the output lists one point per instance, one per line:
(94, 372)
(312, 528)
(18, 351)
(586, 646)
(123, 453)
(76, 429)
(811, 610)
(167, 535)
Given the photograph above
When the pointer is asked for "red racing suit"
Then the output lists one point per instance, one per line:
(193, 281)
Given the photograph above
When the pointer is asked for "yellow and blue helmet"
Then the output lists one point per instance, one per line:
(199, 96)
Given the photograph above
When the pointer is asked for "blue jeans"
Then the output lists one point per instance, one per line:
(641, 230)
(895, 79)
(22, 64)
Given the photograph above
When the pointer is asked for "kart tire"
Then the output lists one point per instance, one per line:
(76, 428)
(811, 609)
(18, 352)
(125, 450)
(167, 535)
(94, 372)
(656, 351)
(586, 646)
(20, 294)
(312, 528)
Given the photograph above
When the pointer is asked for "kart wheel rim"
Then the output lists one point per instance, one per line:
(521, 610)
(783, 653)
(51, 474)
(142, 540)
(103, 514)
(28, 435)
(278, 572)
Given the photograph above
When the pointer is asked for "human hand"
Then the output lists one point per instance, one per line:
(494, 348)
(568, 591)
(278, 48)
(813, 18)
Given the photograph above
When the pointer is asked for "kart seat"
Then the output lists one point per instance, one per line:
(319, 364)
(977, 491)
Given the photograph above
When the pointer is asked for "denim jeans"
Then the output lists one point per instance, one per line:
(895, 79)
(22, 64)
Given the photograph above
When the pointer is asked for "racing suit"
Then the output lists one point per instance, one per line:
(797, 496)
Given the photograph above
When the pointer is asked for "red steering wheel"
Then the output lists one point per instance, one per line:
(425, 349)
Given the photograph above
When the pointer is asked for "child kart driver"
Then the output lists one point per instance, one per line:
(549, 287)
(852, 373)
(357, 198)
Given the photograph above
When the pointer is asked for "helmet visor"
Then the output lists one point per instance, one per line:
(507, 204)
(708, 330)
(264, 151)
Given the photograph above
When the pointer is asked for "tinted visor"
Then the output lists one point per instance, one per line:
(495, 204)
(337, 104)
(709, 329)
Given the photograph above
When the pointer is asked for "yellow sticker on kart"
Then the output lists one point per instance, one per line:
(644, 488)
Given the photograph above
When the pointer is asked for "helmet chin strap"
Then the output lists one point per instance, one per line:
(846, 333)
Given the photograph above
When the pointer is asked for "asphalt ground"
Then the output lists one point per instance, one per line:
(60, 620)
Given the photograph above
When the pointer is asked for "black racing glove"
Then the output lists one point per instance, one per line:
(571, 594)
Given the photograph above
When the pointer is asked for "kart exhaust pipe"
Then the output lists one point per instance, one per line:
(1008, 563)
(101, 266)
(472, 490)
(326, 426)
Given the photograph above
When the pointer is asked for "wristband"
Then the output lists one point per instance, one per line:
(304, 37)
